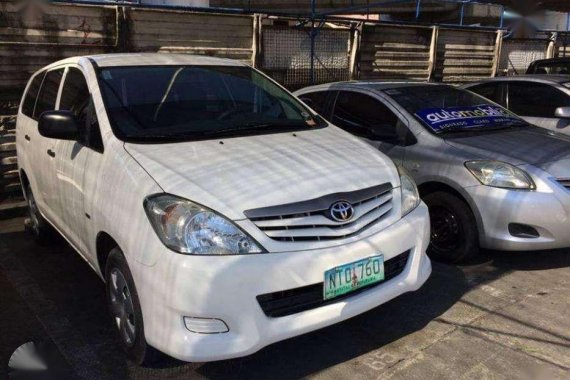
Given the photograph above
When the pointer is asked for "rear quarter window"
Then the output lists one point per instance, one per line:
(32, 94)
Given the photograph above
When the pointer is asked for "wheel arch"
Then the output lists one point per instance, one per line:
(25, 182)
(104, 245)
(433, 186)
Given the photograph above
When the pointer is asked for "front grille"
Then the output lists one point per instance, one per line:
(565, 183)
(292, 301)
(310, 220)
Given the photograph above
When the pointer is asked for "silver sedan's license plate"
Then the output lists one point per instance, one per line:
(352, 276)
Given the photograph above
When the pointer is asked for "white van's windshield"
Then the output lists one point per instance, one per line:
(173, 103)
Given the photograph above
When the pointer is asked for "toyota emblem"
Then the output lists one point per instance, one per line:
(341, 211)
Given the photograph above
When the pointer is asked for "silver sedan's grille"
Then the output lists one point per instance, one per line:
(311, 220)
(565, 183)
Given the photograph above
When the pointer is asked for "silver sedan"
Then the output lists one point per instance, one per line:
(490, 179)
(542, 100)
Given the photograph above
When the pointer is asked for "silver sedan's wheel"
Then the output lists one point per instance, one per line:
(122, 307)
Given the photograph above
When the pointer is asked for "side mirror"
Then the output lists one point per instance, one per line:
(59, 125)
(562, 112)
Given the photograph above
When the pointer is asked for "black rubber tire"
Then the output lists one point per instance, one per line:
(139, 351)
(43, 232)
(467, 237)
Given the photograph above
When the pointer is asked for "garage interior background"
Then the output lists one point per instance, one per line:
(295, 50)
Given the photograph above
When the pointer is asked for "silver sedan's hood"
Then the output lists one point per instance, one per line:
(244, 173)
(535, 146)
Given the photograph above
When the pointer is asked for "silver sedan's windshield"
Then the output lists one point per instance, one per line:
(166, 103)
(443, 108)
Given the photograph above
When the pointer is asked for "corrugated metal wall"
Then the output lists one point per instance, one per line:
(465, 55)
(395, 52)
(221, 35)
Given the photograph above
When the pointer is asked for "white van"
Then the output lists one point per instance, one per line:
(222, 213)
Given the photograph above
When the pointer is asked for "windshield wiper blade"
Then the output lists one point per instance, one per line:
(201, 134)
(245, 127)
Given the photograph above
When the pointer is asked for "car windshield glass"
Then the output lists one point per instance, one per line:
(443, 109)
(552, 68)
(166, 103)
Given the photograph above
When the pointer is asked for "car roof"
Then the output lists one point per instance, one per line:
(375, 85)
(536, 78)
(552, 60)
(148, 59)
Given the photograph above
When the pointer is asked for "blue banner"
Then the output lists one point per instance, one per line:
(440, 119)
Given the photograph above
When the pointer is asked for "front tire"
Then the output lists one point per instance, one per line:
(125, 309)
(454, 235)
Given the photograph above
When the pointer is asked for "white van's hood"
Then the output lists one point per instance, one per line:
(245, 173)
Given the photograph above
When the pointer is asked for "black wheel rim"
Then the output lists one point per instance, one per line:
(446, 231)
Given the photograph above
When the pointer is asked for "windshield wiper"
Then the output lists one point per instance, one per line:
(201, 134)
(246, 127)
(194, 135)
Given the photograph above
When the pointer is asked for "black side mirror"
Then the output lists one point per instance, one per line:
(59, 125)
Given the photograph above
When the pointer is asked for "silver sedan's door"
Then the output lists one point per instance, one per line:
(366, 115)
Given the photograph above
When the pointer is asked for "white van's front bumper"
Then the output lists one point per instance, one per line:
(211, 289)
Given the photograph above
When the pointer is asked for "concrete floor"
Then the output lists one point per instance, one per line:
(505, 316)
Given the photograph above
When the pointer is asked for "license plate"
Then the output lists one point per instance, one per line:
(350, 277)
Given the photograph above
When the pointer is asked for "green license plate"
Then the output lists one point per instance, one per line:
(350, 277)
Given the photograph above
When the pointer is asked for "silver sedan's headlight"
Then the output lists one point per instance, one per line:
(186, 227)
(410, 193)
(500, 174)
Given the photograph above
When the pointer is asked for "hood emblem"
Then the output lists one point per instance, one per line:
(341, 211)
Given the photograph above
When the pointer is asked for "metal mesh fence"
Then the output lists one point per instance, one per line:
(286, 55)
(516, 55)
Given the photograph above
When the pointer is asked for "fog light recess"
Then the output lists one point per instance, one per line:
(523, 231)
(205, 325)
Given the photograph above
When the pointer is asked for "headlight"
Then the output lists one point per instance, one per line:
(410, 193)
(500, 174)
(187, 227)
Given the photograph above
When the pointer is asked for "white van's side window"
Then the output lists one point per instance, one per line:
(32, 95)
(75, 97)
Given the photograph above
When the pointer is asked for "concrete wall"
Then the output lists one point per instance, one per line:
(466, 55)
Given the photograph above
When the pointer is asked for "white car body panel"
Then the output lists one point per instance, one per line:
(97, 194)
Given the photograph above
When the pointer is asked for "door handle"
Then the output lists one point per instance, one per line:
(27, 137)
(51, 153)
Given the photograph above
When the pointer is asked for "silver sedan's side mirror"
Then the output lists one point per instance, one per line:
(562, 112)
